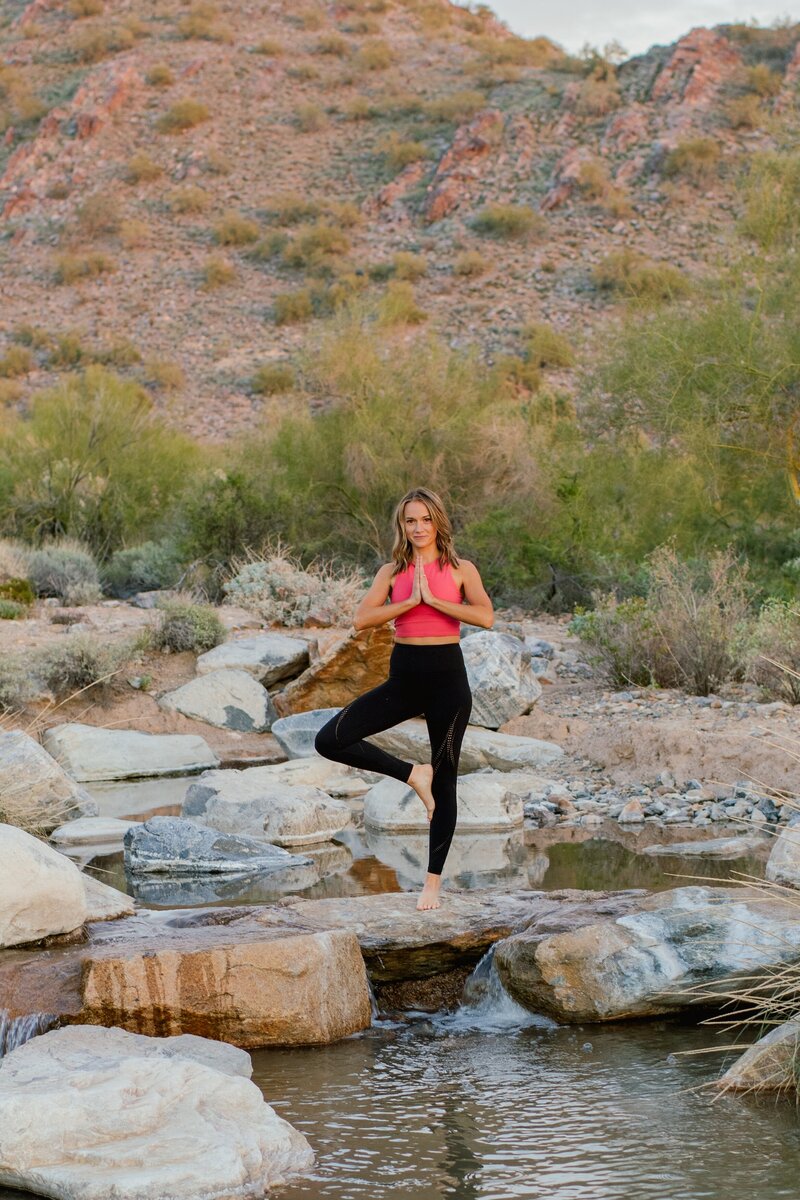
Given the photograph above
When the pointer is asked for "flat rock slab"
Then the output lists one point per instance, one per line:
(354, 664)
(480, 747)
(268, 657)
(226, 698)
(87, 752)
(669, 951)
(336, 779)
(91, 831)
(250, 976)
(485, 802)
(33, 782)
(181, 847)
(722, 848)
(93, 1113)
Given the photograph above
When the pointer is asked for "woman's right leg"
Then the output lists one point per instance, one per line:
(341, 739)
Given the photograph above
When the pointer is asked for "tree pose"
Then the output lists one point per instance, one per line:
(430, 592)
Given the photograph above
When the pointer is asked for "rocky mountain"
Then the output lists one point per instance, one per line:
(189, 191)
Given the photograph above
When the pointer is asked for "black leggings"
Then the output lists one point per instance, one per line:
(429, 681)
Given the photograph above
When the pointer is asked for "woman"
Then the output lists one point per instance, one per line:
(432, 591)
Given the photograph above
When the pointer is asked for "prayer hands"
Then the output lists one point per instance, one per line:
(416, 586)
(425, 591)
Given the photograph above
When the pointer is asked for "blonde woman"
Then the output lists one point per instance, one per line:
(430, 591)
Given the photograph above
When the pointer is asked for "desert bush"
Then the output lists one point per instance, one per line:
(121, 352)
(19, 590)
(11, 392)
(33, 336)
(696, 160)
(92, 44)
(508, 221)
(631, 274)
(10, 610)
(374, 56)
(216, 163)
(409, 266)
(772, 199)
(68, 351)
(200, 23)
(16, 361)
(470, 264)
(74, 267)
(360, 108)
(159, 75)
(399, 152)
(457, 106)
(292, 307)
(17, 688)
(744, 112)
(164, 374)
(141, 168)
(332, 43)
(276, 587)
(189, 199)
(14, 558)
(234, 229)
(344, 213)
(516, 51)
(315, 246)
(763, 81)
(65, 569)
(273, 378)
(399, 306)
(182, 115)
(85, 8)
(597, 97)
(270, 47)
(217, 272)
(546, 347)
(290, 208)
(82, 661)
(310, 118)
(772, 650)
(148, 567)
(623, 641)
(99, 215)
(134, 233)
(183, 625)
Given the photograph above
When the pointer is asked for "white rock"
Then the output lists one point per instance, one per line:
(227, 699)
(480, 747)
(268, 657)
(41, 891)
(784, 860)
(105, 903)
(88, 752)
(87, 1113)
(485, 802)
(733, 847)
(296, 733)
(255, 804)
(474, 859)
(91, 831)
(336, 779)
(33, 781)
(501, 678)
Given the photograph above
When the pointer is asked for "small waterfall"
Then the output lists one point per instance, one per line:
(373, 1002)
(487, 1006)
(15, 1031)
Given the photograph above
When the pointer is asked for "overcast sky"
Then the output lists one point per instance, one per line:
(638, 24)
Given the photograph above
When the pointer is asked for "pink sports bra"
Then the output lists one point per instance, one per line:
(423, 620)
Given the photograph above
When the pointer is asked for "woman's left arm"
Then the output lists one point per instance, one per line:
(476, 609)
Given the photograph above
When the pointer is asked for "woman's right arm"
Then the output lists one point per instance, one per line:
(373, 609)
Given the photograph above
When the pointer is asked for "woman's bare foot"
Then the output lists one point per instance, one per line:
(421, 780)
(429, 896)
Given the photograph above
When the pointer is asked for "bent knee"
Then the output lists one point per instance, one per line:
(325, 742)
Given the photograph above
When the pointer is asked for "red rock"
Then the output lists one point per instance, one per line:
(701, 62)
(388, 196)
(191, 69)
(626, 129)
(462, 162)
(87, 124)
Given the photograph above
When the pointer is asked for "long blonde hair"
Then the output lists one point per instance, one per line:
(402, 550)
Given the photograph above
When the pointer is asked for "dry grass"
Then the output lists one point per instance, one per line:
(189, 199)
(509, 222)
(399, 306)
(183, 115)
(141, 168)
(234, 229)
(290, 308)
(75, 268)
(470, 264)
(696, 160)
(310, 118)
(159, 75)
(217, 272)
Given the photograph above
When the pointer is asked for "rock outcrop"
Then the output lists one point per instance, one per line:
(480, 747)
(770, 1065)
(462, 164)
(783, 865)
(178, 847)
(485, 802)
(354, 664)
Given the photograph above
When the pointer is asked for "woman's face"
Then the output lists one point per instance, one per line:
(418, 524)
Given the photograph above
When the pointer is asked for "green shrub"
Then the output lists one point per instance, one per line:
(17, 688)
(765, 82)
(183, 114)
(470, 264)
(183, 625)
(289, 208)
(314, 246)
(120, 353)
(399, 306)
(696, 160)
(631, 274)
(159, 75)
(273, 378)
(409, 266)
(141, 168)
(67, 570)
(293, 307)
(277, 587)
(457, 106)
(152, 566)
(18, 590)
(80, 662)
(546, 347)
(310, 118)
(398, 152)
(33, 336)
(11, 611)
(16, 361)
(234, 229)
(772, 199)
(14, 558)
(68, 351)
(508, 221)
(772, 651)
(623, 641)
(70, 268)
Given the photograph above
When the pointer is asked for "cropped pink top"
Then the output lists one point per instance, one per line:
(423, 620)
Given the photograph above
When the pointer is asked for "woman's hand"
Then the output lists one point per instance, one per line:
(425, 588)
(416, 586)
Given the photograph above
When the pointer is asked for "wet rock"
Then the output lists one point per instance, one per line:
(252, 803)
(475, 860)
(180, 847)
(105, 903)
(485, 801)
(677, 948)
(769, 1065)
(251, 976)
(268, 657)
(783, 865)
(33, 782)
(732, 847)
(480, 747)
(501, 678)
(228, 699)
(107, 832)
(354, 664)
(295, 734)
(41, 891)
(87, 752)
(199, 1128)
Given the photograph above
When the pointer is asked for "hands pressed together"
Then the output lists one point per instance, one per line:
(420, 588)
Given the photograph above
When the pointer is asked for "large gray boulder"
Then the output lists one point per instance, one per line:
(501, 677)
(485, 802)
(268, 657)
(252, 803)
(783, 865)
(88, 752)
(228, 699)
(480, 747)
(34, 788)
(199, 1128)
(296, 732)
(181, 847)
(41, 891)
(687, 946)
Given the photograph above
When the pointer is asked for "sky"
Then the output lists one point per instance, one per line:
(637, 24)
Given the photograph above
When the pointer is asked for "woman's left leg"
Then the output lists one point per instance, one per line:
(447, 715)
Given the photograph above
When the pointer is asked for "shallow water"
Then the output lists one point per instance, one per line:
(430, 1109)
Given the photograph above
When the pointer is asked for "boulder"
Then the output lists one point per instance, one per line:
(295, 734)
(88, 752)
(268, 657)
(179, 847)
(480, 747)
(783, 865)
(41, 892)
(252, 803)
(228, 699)
(255, 977)
(501, 678)
(336, 779)
(732, 847)
(485, 802)
(105, 832)
(34, 786)
(90, 1113)
(354, 664)
(768, 1065)
(190, 891)
(105, 903)
(678, 948)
